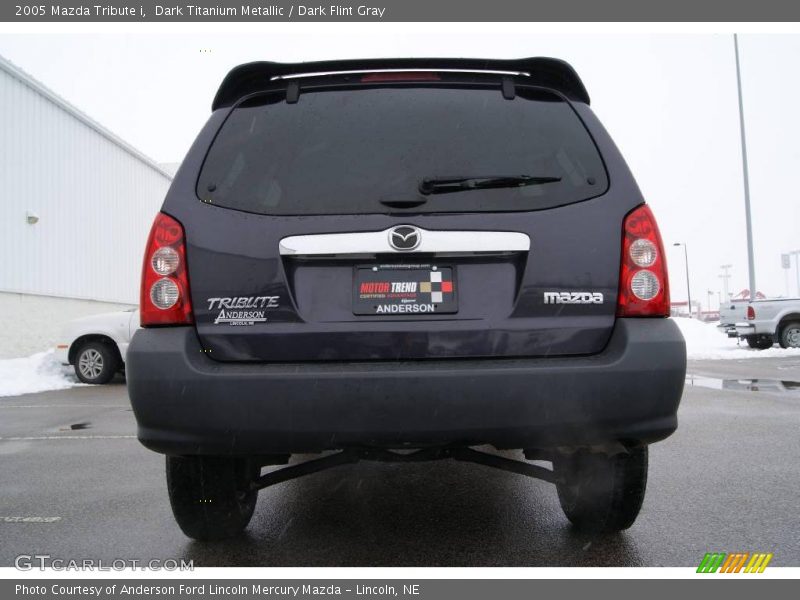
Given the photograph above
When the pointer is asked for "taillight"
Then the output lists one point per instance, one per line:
(751, 313)
(643, 283)
(164, 298)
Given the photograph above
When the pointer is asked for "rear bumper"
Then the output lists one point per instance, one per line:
(745, 329)
(61, 354)
(187, 403)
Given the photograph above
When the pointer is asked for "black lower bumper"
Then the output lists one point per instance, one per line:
(187, 403)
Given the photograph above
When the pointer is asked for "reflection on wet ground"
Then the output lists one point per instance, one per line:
(745, 385)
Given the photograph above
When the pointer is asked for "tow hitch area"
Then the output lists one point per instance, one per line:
(427, 454)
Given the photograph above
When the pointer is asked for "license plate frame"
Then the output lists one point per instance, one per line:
(424, 290)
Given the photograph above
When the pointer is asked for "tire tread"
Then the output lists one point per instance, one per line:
(603, 493)
(206, 496)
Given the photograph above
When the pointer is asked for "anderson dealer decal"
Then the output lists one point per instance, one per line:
(242, 310)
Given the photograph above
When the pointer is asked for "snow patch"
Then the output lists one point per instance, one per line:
(40, 372)
(705, 342)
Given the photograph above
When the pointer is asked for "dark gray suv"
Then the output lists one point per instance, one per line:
(401, 260)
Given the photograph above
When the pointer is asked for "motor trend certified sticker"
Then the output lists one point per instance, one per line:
(404, 290)
(242, 310)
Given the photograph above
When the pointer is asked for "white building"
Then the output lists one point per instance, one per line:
(76, 205)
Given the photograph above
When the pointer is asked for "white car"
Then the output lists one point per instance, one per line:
(97, 345)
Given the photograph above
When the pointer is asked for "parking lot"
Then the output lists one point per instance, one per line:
(76, 484)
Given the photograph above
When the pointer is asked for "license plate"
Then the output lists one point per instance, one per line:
(404, 290)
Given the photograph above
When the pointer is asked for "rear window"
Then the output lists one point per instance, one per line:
(347, 151)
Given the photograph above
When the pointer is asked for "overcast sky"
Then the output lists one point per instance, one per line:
(669, 101)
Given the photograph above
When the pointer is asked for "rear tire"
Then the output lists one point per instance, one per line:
(209, 495)
(760, 342)
(96, 362)
(790, 335)
(598, 492)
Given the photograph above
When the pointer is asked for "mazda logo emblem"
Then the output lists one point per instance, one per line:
(404, 237)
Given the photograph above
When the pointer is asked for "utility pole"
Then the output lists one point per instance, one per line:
(725, 277)
(750, 260)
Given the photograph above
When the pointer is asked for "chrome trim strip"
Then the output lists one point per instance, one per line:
(377, 242)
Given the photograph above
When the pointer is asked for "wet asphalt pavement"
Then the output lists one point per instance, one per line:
(728, 480)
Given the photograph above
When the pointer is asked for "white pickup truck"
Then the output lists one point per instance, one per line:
(96, 346)
(730, 313)
(770, 321)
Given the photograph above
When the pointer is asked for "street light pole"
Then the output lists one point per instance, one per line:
(797, 269)
(748, 221)
(688, 287)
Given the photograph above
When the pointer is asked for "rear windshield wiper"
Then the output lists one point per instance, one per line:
(446, 185)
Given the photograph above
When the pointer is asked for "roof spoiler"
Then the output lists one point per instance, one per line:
(251, 77)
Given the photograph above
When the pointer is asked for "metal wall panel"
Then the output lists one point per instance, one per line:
(95, 197)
